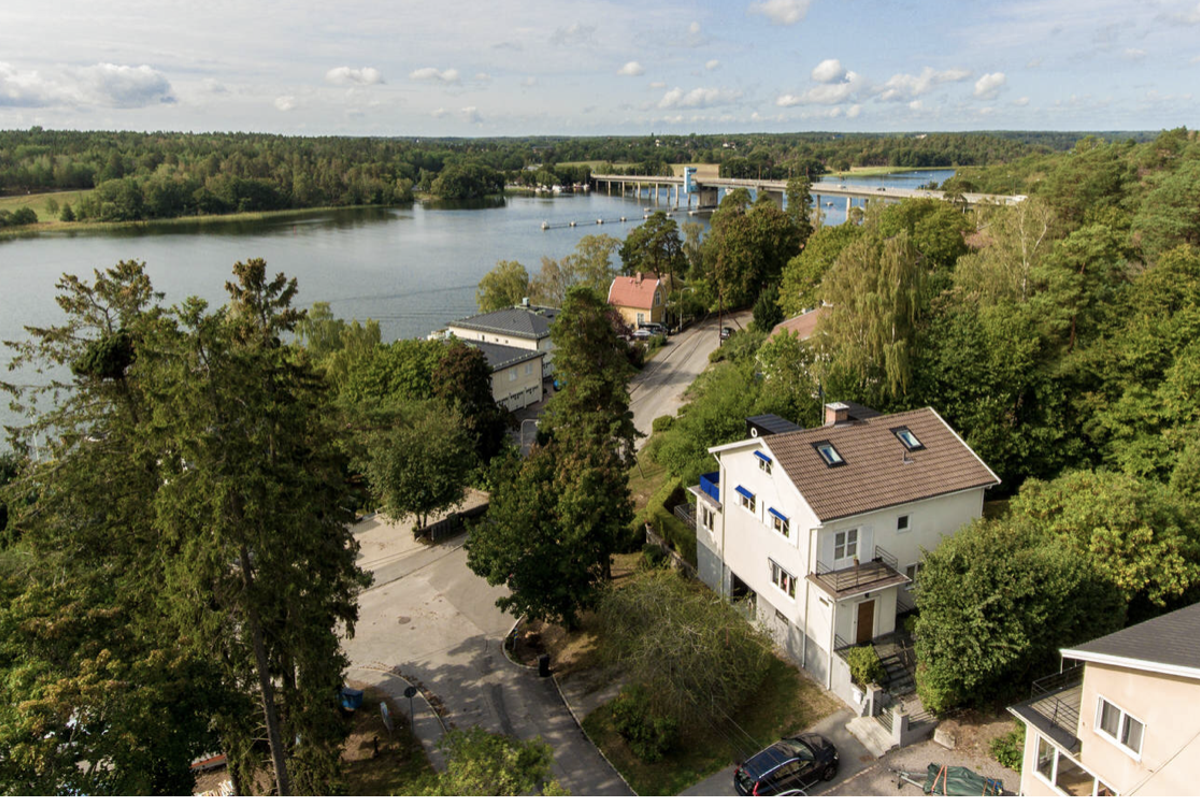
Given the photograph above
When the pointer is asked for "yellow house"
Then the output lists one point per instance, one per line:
(641, 298)
(1125, 720)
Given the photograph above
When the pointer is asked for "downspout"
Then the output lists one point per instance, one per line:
(807, 598)
(724, 565)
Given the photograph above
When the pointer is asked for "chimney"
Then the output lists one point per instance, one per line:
(836, 413)
(524, 302)
(639, 278)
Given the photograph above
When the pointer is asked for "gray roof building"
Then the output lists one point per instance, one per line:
(1169, 644)
(500, 356)
(531, 322)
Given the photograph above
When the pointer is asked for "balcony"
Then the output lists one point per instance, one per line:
(1054, 707)
(709, 490)
(879, 572)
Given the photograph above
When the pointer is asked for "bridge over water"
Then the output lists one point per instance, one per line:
(706, 190)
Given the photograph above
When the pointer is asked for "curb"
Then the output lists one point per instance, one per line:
(579, 723)
(430, 751)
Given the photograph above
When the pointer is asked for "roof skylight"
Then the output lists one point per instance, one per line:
(829, 454)
(906, 436)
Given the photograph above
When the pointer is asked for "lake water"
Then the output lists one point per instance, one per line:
(412, 269)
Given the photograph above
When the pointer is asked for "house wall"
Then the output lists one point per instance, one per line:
(708, 550)
(1168, 706)
(749, 544)
(1033, 785)
(629, 314)
(524, 390)
(544, 345)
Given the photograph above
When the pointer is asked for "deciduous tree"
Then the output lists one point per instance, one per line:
(502, 287)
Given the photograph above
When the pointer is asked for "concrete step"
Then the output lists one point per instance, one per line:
(872, 735)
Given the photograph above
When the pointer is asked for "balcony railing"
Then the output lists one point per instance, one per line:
(881, 566)
(710, 485)
(1057, 697)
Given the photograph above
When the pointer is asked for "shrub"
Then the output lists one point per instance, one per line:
(1009, 749)
(649, 736)
(653, 556)
(22, 216)
(661, 424)
(658, 513)
(865, 665)
(656, 341)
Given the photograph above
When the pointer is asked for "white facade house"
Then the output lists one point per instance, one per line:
(525, 327)
(820, 531)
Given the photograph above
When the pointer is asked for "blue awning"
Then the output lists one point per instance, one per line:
(763, 456)
(744, 491)
(777, 514)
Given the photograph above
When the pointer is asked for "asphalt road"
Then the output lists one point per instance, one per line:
(658, 389)
(430, 621)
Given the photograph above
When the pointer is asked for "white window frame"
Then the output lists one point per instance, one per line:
(907, 522)
(846, 543)
(780, 525)
(512, 374)
(764, 465)
(782, 580)
(750, 503)
(1122, 723)
(1097, 781)
(707, 517)
(911, 572)
(529, 368)
(641, 318)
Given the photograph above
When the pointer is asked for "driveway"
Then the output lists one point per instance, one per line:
(658, 389)
(853, 759)
(430, 621)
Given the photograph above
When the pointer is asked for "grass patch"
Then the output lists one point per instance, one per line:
(37, 201)
(399, 768)
(785, 704)
(644, 480)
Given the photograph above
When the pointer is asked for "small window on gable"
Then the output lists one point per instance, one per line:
(764, 462)
(902, 523)
(746, 498)
(829, 454)
(908, 438)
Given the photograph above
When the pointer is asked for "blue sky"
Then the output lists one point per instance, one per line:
(510, 67)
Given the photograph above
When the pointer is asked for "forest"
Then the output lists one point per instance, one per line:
(139, 176)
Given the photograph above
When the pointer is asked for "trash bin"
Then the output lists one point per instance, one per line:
(352, 699)
(543, 665)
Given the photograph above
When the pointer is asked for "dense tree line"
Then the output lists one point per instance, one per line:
(1058, 337)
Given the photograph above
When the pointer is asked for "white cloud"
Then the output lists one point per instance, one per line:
(354, 75)
(470, 114)
(440, 112)
(829, 71)
(529, 81)
(285, 103)
(1034, 63)
(781, 12)
(916, 105)
(214, 86)
(122, 86)
(631, 69)
(657, 85)
(694, 28)
(1134, 54)
(699, 98)
(1188, 17)
(825, 94)
(989, 85)
(574, 34)
(482, 77)
(854, 111)
(1022, 101)
(903, 86)
(712, 64)
(449, 76)
(108, 85)
(1194, 60)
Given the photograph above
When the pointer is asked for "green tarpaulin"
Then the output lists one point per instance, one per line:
(944, 780)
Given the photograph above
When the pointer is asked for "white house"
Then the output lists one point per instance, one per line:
(820, 531)
(525, 326)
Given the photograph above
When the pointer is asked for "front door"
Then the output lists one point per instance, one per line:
(866, 621)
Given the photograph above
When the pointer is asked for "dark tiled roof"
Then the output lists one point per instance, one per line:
(770, 424)
(500, 356)
(878, 471)
(1173, 639)
(528, 323)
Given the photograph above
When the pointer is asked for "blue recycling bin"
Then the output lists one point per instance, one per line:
(351, 699)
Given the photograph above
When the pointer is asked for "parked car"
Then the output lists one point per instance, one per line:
(788, 765)
(726, 332)
(642, 334)
(654, 327)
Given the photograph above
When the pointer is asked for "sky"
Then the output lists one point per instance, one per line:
(584, 67)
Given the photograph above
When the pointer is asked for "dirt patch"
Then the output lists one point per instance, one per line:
(973, 731)
(377, 761)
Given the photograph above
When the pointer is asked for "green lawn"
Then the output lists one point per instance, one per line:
(37, 202)
(786, 704)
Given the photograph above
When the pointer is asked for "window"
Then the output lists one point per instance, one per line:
(1119, 726)
(746, 498)
(641, 318)
(783, 580)
(1045, 758)
(708, 517)
(829, 454)
(779, 521)
(764, 462)
(529, 369)
(908, 438)
(1066, 774)
(845, 544)
(902, 523)
(657, 298)
(911, 572)
(512, 374)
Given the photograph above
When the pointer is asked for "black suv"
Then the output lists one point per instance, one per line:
(788, 765)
